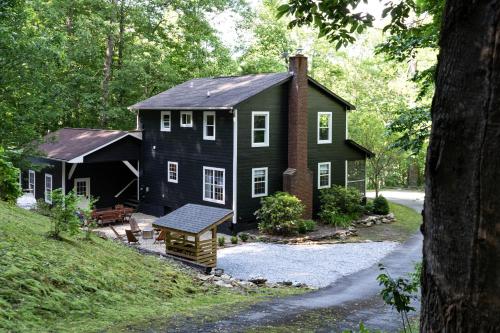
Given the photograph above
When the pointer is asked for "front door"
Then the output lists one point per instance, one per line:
(82, 190)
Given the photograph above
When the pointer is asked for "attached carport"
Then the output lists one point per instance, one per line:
(103, 164)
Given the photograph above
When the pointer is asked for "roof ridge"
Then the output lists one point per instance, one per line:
(92, 129)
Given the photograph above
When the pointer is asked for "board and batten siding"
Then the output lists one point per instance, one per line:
(274, 157)
(184, 145)
(51, 167)
(336, 152)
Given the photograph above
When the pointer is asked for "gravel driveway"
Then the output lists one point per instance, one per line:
(314, 265)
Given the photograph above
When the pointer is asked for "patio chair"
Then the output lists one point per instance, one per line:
(134, 226)
(120, 237)
(131, 237)
(160, 238)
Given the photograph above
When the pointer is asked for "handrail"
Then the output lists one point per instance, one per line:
(126, 187)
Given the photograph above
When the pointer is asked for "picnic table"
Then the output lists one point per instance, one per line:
(111, 214)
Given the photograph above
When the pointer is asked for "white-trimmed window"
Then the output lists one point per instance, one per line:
(260, 129)
(324, 174)
(166, 121)
(173, 175)
(214, 184)
(31, 181)
(186, 118)
(209, 125)
(324, 127)
(48, 188)
(259, 182)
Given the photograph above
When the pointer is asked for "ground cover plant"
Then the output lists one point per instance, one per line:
(78, 285)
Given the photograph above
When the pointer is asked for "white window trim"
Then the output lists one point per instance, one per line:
(329, 140)
(223, 201)
(254, 195)
(162, 124)
(190, 113)
(266, 132)
(176, 180)
(30, 172)
(205, 115)
(329, 175)
(49, 201)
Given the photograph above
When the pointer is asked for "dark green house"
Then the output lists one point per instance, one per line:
(228, 141)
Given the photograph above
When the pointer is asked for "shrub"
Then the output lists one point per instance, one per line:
(9, 179)
(305, 226)
(368, 207)
(63, 213)
(42, 207)
(244, 236)
(340, 205)
(221, 240)
(279, 214)
(234, 240)
(380, 205)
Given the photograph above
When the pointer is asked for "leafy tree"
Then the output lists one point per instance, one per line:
(9, 179)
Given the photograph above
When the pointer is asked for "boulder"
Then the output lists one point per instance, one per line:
(259, 280)
(223, 284)
(369, 224)
(286, 283)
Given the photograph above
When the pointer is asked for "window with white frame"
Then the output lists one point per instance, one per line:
(324, 127)
(166, 121)
(209, 125)
(48, 188)
(260, 129)
(214, 184)
(31, 181)
(173, 172)
(324, 174)
(259, 182)
(186, 118)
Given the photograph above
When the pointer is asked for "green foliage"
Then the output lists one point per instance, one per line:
(234, 240)
(221, 240)
(380, 205)
(368, 208)
(340, 205)
(398, 293)
(74, 286)
(279, 214)
(243, 236)
(9, 179)
(362, 329)
(63, 214)
(305, 226)
(42, 207)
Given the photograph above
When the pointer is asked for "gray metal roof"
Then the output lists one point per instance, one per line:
(193, 218)
(224, 92)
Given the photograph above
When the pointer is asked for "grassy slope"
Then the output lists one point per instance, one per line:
(407, 223)
(83, 286)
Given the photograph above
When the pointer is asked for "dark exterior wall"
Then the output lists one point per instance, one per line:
(336, 152)
(184, 145)
(51, 167)
(275, 157)
(106, 180)
(128, 148)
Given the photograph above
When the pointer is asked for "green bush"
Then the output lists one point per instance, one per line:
(42, 207)
(243, 236)
(221, 240)
(9, 179)
(279, 214)
(340, 205)
(63, 213)
(368, 207)
(305, 226)
(380, 205)
(234, 240)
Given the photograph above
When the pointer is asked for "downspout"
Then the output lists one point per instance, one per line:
(63, 178)
(235, 163)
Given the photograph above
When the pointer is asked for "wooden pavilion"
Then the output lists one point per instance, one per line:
(191, 232)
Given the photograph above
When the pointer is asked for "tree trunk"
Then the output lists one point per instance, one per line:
(461, 271)
(108, 63)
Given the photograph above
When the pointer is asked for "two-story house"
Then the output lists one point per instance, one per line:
(229, 141)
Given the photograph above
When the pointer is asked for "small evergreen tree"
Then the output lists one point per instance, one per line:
(380, 205)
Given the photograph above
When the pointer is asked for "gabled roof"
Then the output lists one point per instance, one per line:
(194, 219)
(71, 144)
(221, 92)
(360, 148)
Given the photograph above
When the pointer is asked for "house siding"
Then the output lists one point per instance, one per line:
(274, 157)
(128, 148)
(336, 152)
(51, 167)
(184, 145)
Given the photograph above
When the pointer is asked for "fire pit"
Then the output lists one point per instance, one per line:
(148, 233)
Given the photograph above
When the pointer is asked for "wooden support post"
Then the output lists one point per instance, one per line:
(214, 245)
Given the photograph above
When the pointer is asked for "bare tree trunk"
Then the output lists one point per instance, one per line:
(461, 271)
(108, 63)
(121, 45)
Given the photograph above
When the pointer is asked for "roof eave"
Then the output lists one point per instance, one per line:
(348, 105)
(173, 108)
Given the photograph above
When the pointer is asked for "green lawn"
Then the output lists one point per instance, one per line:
(76, 285)
(407, 223)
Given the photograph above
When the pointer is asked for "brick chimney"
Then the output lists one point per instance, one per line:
(298, 179)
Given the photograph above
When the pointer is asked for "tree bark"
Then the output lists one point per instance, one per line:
(461, 267)
(108, 63)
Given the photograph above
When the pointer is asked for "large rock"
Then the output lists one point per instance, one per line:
(259, 280)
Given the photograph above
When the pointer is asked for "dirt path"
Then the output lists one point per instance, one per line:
(351, 299)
